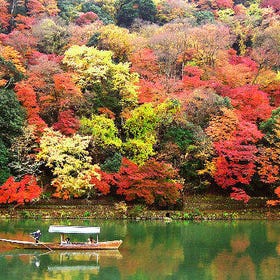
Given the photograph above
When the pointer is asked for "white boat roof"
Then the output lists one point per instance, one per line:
(74, 229)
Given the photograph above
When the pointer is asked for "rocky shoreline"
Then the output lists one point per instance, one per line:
(195, 208)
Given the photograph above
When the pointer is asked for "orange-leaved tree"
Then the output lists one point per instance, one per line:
(251, 103)
(11, 66)
(20, 192)
(274, 202)
(27, 96)
(42, 7)
(4, 14)
(151, 85)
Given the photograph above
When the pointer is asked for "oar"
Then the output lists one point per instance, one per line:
(43, 244)
(46, 246)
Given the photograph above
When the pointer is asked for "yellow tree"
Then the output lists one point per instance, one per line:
(11, 68)
(107, 83)
(71, 166)
(207, 41)
(116, 39)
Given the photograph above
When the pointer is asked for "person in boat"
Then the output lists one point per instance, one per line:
(36, 234)
(66, 241)
(91, 240)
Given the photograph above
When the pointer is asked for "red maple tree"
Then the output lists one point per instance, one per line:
(20, 192)
(252, 103)
(239, 194)
(67, 123)
(86, 18)
(155, 182)
(27, 96)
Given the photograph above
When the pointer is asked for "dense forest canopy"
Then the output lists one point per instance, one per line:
(144, 100)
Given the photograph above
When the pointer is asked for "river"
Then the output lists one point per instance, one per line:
(151, 250)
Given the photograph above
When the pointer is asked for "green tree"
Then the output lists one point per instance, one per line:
(11, 117)
(269, 151)
(128, 10)
(100, 9)
(142, 129)
(69, 9)
(203, 17)
(188, 149)
(112, 164)
(11, 122)
(147, 10)
(4, 160)
(104, 137)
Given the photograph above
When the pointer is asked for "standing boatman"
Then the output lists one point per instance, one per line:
(36, 234)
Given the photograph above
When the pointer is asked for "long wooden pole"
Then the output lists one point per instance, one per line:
(41, 243)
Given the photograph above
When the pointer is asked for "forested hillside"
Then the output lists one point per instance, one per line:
(144, 100)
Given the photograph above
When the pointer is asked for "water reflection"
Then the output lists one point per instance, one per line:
(63, 263)
(156, 250)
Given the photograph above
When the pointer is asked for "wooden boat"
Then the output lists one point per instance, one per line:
(63, 245)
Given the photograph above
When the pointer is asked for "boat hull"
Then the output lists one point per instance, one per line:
(106, 245)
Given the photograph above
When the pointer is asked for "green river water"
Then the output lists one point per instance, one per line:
(150, 250)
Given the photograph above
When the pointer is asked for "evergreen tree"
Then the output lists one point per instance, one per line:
(129, 10)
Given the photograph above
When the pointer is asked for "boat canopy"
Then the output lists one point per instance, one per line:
(74, 229)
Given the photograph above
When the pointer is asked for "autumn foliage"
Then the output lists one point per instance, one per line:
(67, 124)
(154, 182)
(27, 96)
(24, 191)
(4, 14)
(275, 201)
(142, 101)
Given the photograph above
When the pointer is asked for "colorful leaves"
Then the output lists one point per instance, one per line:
(154, 182)
(236, 150)
(191, 91)
(20, 192)
(27, 97)
(4, 14)
(70, 163)
(67, 124)
(239, 194)
(275, 201)
(102, 130)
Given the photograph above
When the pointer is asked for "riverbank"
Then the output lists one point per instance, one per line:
(195, 208)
